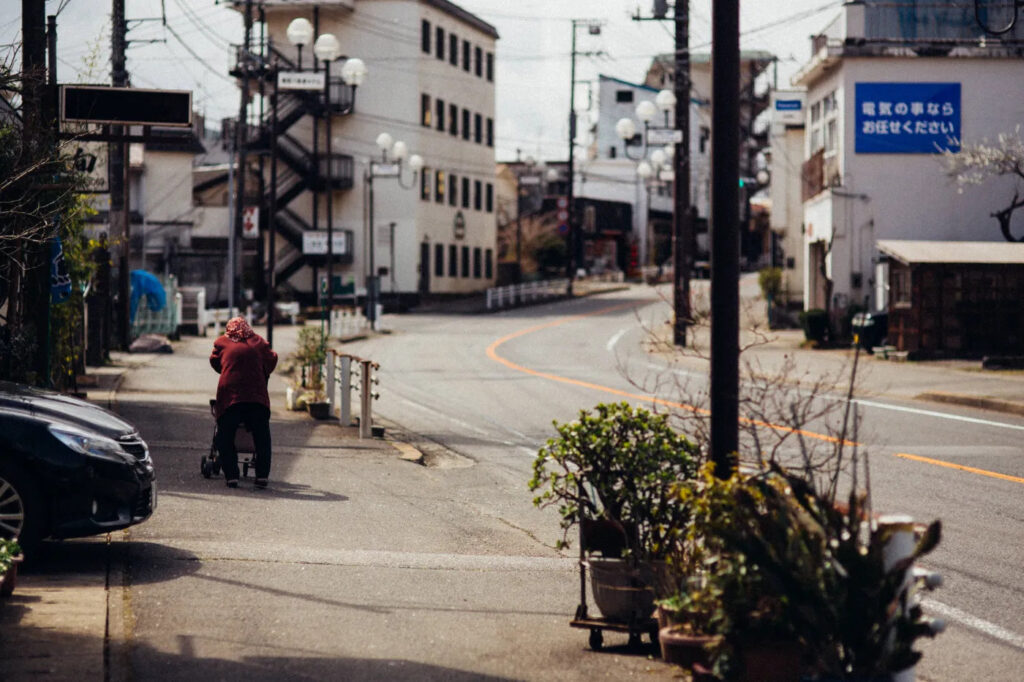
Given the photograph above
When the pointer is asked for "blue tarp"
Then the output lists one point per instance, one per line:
(146, 284)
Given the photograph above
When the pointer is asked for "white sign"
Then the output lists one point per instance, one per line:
(529, 180)
(384, 170)
(250, 222)
(300, 80)
(315, 243)
(664, 136)
(667, 176)
(563, 202)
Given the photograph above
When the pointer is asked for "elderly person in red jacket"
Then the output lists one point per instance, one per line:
(244, 361)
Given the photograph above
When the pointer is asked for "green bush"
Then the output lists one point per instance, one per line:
(770, 281)
(815, 324)
(621, 464)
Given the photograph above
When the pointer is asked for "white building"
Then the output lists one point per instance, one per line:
(786, 144)
(889, 86)
(430, 84)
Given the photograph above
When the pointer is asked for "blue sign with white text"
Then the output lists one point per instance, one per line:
(907, 118)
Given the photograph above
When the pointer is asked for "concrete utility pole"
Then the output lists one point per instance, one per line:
(120, 201)
(725, 254)
(241, 146)
(683, 244)
(36, 146)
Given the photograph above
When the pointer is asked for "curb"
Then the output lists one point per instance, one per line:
(982, 402)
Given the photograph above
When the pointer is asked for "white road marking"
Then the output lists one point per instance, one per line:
(465, 425)
(615, 339)
(980, 624)
(932, 413)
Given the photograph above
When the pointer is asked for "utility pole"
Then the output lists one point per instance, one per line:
(683, 244)
(36, 147)
(725, 256)
(241, 145)
(574, 240)
(119, 218)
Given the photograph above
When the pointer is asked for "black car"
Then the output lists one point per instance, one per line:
(68, 468)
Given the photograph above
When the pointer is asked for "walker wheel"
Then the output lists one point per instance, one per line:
(204, 467)
(215, 467)
(245, 469)
(596, 639)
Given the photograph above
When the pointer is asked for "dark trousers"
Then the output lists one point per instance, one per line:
(257, 418)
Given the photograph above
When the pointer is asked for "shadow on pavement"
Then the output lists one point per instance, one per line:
(57, 654)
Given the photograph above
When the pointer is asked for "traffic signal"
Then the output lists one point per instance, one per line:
(660, 9)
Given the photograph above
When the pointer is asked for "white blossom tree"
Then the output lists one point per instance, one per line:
(976, 164)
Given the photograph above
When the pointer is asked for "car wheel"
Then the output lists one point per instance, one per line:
(21, 508)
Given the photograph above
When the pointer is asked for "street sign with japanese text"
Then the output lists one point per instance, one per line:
(656, 136)
(907, 118)
(250, 222)
(315, 243)
(300, 80)
(127, 106)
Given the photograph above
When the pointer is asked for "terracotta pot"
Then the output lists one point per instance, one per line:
(319, 410)
(10, 579)
(683, 649)
(771, 661)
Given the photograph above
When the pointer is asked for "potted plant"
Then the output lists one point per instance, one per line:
(613, 471)
(789, 575)
(10, 557)
(310, 357)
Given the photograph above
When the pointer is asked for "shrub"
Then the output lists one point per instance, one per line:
(815, 324)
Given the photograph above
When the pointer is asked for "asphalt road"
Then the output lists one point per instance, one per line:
(481, 393)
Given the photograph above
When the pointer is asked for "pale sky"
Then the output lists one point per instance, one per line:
(532, 76)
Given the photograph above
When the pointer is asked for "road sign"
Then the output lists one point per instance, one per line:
(315, 243)
(126, 106)
(250, 222)
(384, 170)
(656, 136)
(563, 216)
(563, 202)
(529, 180)
(563, 229)
(300, 80)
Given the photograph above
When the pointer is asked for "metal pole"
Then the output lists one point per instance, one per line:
(371, 294)
(682, 217)
(120, 222)
(330, 188)
(570, 266)
(346, 390)
(725, 71)
(366, 402)
(272, 218)
(241, 142)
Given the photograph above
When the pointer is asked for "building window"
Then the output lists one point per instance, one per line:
(490, 66)
(425, 184)
(478, 56)
(465, 261)
(465, 55)
(453, 49)
(490, 132)
(465, 124)
(453, 260)
(476, 263)
(623, 96)
(440, 43)
(438, 260)
(425, 110)
(489, 264)
(439, 187)
(490, 198)
(465, 192)
(612, 152)
(478, 125)
(453, 186)
(426, 36)
(453, 119)
(440, 114)
(478, 188)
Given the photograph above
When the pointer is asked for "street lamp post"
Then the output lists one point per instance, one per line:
(384, 169)
(326, 49)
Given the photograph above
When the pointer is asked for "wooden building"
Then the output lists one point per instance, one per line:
(955, 299)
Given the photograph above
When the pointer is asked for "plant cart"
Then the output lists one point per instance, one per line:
(609, 539)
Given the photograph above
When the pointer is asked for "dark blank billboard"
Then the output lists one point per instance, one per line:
(128, 106)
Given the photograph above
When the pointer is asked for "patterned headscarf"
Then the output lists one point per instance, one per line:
(238, 329)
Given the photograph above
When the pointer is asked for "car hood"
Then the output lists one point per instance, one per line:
(59, 407)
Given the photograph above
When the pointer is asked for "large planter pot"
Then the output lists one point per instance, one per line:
(684, 649)
(622, 589)
(319, 409)
(9, 579)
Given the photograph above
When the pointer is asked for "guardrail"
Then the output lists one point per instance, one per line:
(518, 294)
(344, 373)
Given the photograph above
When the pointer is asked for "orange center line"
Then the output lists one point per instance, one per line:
(960, 467)
(492, 352)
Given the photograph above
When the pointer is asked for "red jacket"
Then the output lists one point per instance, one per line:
(244, 367)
